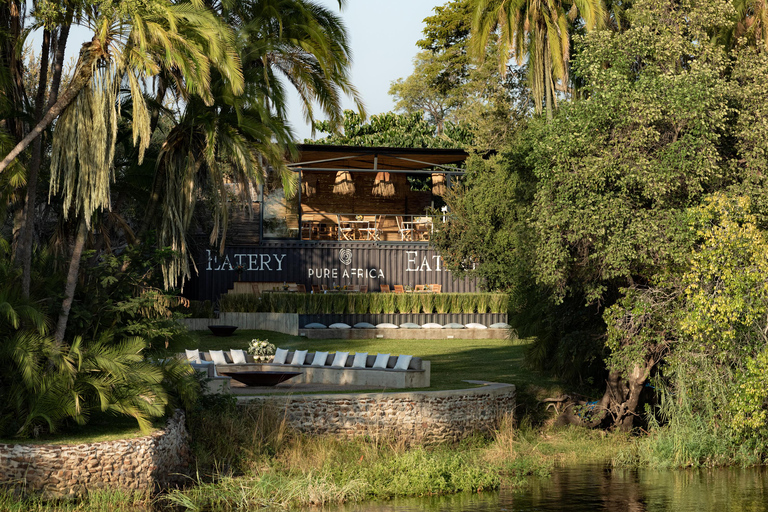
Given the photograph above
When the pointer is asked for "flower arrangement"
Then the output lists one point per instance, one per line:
(262, 350)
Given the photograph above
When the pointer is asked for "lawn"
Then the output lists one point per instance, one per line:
(453, 361)
(100, 427)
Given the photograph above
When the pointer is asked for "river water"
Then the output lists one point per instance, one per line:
(595, 488)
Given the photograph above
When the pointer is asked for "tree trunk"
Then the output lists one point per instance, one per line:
(10, 23)
(26, 240)
(24, 254)
(72, 275)
(90, 52)
(548, 84)
(618, 406)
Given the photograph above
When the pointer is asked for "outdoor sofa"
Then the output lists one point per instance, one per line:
(416, 375)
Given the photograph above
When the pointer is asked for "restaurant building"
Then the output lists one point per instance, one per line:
(362, 219)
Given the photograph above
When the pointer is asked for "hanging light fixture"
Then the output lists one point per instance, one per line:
(383, 186)
(344, 185)
(308, 187)
(439, 185)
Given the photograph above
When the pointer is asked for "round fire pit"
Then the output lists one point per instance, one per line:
(222, 330)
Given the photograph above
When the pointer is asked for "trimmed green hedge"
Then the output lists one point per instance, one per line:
(365, 303)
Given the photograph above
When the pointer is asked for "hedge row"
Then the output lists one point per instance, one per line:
(364, 303)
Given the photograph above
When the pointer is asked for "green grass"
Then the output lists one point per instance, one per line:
(101, 427)
(453, 361)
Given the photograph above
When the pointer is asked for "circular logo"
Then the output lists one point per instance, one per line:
(345, 256)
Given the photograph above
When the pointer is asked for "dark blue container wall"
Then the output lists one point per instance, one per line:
(329, 263)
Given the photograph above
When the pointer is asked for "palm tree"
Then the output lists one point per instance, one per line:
(281, 43)
(131, 42)
(146, 36)
(536, 30)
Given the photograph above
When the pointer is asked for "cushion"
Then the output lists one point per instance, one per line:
(364, 325)
(453, 326)
(409, 325)
(193, 356)
(475, 326)
(339, 325)
(386, 326)
(402, 362)
(315, 325)
(501, 325)
(281, 354)
(359, 361)
(381, 361)
(217, 356)
(238, 356)
(320, 359)
(432, 326)
(340, 359)
(299, 356)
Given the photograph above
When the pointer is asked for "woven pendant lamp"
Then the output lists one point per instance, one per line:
(383, 185)
(344, 185)
(309, 187)
(439, 185)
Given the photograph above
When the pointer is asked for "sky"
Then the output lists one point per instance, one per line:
(383, 35)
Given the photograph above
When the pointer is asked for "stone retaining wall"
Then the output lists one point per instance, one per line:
(422, 416)
(144, 464)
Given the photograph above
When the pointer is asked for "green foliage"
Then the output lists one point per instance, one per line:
(123, 294)
(451, 90)
(393, 130)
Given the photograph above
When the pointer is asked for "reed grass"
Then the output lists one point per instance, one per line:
(94, 501)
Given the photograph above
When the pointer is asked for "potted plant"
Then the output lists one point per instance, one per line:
(262, 350)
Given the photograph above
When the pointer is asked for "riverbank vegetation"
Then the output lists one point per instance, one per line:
(615, 199)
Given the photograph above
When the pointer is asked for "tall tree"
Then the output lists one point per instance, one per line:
(282, 43)
(536, 31)
(447, 86)
(132, 41)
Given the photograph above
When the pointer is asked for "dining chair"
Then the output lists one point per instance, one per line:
(399, 288)
(373, 232)
(315, 288)
(419, 288)
(346, 230)
(436, 288)
(384, 288)
(324, 287)
(364, 288)
(406, 232)
(301, 288)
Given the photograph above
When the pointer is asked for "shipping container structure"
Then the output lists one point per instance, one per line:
(360, 220)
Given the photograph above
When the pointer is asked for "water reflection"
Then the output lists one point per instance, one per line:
(595, 489)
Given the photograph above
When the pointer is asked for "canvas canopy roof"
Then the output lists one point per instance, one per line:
(317, 157)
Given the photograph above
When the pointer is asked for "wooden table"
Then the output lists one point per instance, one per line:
(353, 227)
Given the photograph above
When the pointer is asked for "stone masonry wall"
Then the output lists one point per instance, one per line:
(419, 417)
(144, 464)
